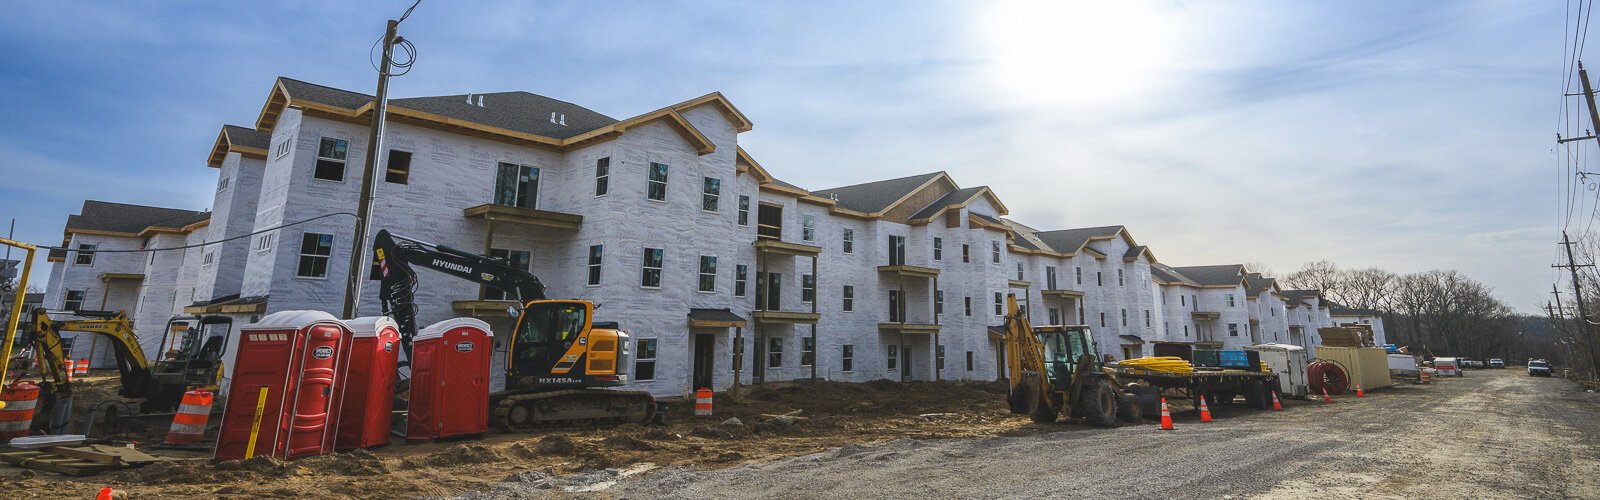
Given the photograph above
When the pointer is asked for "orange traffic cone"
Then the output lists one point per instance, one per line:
(1205, 411)
(1276, 405)
(1325, 398)
(1166, 416)
(1360, 393)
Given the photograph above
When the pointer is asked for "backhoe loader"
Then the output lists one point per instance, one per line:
(1055, 370)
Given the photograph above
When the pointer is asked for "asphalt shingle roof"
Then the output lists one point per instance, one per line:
(1255, 283)
(1070, 240)
(1134, 251)
(126, 218)
(519, 111)
(951, 198)
(1167, 274)
(1297, 297)
(1223, 275)
(873, 197)
(248, 137)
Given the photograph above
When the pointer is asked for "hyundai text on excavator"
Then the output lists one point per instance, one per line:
(1056, 370)
(191, 356)
(558, 357)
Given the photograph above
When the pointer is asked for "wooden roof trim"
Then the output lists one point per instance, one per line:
(702, 144)
(219, 150)
(818, 200)
(979, 222)
(1000, 207)
(913, 192)
(277, 99)
(154, 230)
(100, 232)
(1145, 252)
(1092, 252)
(782, 189)
(741, 122)
(742, 158)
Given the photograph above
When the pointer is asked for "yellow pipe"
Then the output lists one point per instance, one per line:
(16, 307)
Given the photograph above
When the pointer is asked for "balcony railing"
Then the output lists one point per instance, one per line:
(769, 231)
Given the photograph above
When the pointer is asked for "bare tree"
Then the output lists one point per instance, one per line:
(1320, 275)
(1259, 268)
(1364, 288)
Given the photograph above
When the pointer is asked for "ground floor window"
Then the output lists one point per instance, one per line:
(969, 361)
(808, 351)
(644, 364)
(775, 352)
(939, 351)
(847, 358)
(894, 357)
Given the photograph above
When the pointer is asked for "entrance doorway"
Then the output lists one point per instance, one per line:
(704, 358)
(905, 363)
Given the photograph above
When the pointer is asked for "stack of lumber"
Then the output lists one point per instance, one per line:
(73, 458)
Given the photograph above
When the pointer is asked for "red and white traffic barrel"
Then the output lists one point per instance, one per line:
(702, 402)
(16, 417)
(189, 424)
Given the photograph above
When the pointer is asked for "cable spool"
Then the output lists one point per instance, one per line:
(1328, 374)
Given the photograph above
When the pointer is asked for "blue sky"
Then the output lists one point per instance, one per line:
(1404, 135)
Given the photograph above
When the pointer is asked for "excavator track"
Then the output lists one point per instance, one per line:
(572, 408)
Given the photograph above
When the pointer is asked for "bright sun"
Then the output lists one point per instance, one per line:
(1072, 54)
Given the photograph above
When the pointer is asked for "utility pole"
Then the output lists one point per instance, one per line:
(1577, 290)
(380, 107)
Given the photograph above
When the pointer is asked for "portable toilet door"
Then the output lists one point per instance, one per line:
(369, 387)
(289, 367)
(450, 380)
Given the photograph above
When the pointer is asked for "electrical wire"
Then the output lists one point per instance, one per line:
(197, 245)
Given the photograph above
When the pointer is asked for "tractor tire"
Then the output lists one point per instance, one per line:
(1255, 395)
(1098, 404)
(1128, 408)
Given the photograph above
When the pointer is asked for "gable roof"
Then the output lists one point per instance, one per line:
(1169, 276)
(1298, 297)
(518, 117)
(1135, 251)
(1215, 276)
(875, 197)
(248, 142)
(519, 111)
(956, 198)
(122, 219)
(1337, 309)
(1070, 241)
(1255, 283)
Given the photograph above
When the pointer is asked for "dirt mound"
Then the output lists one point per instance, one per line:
(200, 472)
(461, 454)
(355, 463)
(556, 445)
(622, 442)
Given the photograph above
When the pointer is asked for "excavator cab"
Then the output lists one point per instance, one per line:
(557, 344)
(1064, 348)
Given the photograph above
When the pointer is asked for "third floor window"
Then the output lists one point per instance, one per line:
(516, 186)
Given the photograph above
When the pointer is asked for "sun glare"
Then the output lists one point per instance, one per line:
(1074, 54)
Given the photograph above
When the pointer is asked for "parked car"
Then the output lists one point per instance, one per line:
(1446, 367)
(1539, 368)
(1497, 363)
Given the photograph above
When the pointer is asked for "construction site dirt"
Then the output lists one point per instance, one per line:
(1496, 433)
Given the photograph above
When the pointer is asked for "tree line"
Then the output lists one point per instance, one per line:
(1435, 313)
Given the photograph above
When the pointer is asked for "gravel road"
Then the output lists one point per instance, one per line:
(1493, 434)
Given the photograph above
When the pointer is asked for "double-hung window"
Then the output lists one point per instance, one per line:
(1019, 272)
(1050, 277)
(808, 228)
(741, 278)
(596, 255)
(74, 300)
(330, 159)
(847, 358)
(808, 288)
(657, 182)
(516, 185)
(808, 351)
(1079, 272)
(1119, 278)
(995, 250)
(711, 194)
(897, 250)
(849, 298)
(602, 176)
(85, 255)
(644, 356)
(775, 352)
(650, 275)
(999, 304)
(938, 248)
(315, 249)
(708, 273)
(744, 210)
(849, 243)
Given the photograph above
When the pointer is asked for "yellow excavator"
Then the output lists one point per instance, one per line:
(192, 349)
(558, 359)
(1055, 370)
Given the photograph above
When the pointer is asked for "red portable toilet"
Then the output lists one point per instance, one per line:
(298, 360)
(450, 380)
(369, 387)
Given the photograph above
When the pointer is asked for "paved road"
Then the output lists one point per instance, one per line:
(1494, 434)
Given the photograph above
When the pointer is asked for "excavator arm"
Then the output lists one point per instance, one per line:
(395, 255)
(1031, 390)
(131, 363)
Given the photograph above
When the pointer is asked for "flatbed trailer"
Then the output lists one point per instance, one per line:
(1218, 386)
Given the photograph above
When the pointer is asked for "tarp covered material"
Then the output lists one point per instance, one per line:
(1369, 366)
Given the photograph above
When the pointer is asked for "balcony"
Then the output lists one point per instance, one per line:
(764, 244)
(913, 328)
(910, 271)
(1062, 294)
(519, 215)
(1023, 284)
(477, 308)
(792, 317)
(1205, 315)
